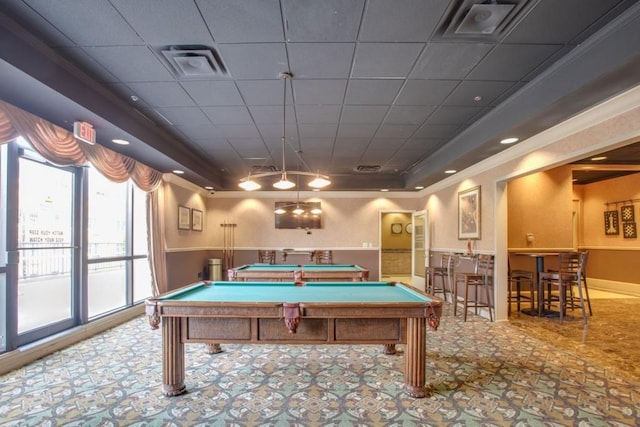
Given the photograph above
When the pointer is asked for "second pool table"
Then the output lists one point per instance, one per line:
(386, 313)
(295, 272)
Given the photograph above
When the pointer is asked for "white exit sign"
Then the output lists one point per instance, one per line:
(84, 132)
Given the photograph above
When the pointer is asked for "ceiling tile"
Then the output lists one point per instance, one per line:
(381, 60)
(165, 22)
(185, 115)
(327, 20)
(355, 131)
(511, 62)
(425, 92)
(162, 94)
(310, 60)
(274, 131)
(318, 113)
(105, 28)
(212, 93)
(228, 115)
(130, 63)
(243, 21)
(400, 20)
(264, 92)
(396, 131)
(372, 92)
(199, 132)
(467, 91)
(408, 115)
(445, 115)
(270, 114)
(254, 60)
(355, 114)
(319, 91)
(449, 60)
(237, 131)
(317, 130)
(429, 130)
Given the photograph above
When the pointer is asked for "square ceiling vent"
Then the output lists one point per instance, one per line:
(195, 61)
(481, 19)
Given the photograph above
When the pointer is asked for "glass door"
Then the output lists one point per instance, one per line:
(420, 250)
(45, 250)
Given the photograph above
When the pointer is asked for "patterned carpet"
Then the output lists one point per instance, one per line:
(480, 373)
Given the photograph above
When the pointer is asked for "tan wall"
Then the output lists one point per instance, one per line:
(541, 204)
(391, 240)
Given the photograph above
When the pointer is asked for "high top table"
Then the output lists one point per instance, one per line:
(539, 311)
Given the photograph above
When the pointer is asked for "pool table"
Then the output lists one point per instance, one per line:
(387, 313)
(295, 272)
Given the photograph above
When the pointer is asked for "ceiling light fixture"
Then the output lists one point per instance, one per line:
(319, 181)
(509, 140)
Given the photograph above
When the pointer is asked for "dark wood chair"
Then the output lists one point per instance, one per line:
(569, 275)
(516, 279)
(444, 272)
(266, 256)
(480, 280)
(323, 256)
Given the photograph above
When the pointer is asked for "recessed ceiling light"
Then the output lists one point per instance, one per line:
(419, 187)
(509, 140)
(120, 141)
(450, 171)
(477, 98)
(595, 159)
(178, 172)
(384, 189)
(208, 187)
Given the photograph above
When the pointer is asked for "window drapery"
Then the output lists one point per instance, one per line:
(61, 148)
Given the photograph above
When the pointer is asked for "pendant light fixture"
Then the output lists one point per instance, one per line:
(319, 181)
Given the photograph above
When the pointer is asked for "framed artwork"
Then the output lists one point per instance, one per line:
(184, 218)
(611, 227)
(196, 220)
(469, 214)
(396, 228)
(627, 213)
(629, 230)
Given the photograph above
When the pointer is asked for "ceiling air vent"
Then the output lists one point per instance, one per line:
(263, 168)
(481, 19)
(368, 168)
(195, 61)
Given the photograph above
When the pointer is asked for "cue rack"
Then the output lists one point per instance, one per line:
(228, 243)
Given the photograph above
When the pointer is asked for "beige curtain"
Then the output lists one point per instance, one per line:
(61, 148)
(156, 239)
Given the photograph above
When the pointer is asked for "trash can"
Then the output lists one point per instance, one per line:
(215, 269)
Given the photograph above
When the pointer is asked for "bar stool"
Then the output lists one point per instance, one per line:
(323, 257)
(266, 256)
(445, 273)
(481, 278)
(569, 275)
(517, 278)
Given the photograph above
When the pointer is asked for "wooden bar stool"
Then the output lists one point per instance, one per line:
(516, 278)
(569, 275)
(480, 279)
(266, 256)
(445, 273)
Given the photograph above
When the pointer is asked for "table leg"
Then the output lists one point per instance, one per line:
(415, 363)
(172, 357)
(539, 270)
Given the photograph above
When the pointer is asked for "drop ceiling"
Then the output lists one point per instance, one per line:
(385, 94)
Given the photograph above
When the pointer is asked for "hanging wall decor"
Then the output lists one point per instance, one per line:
(627, 213)
(629, 230)
(611, 227)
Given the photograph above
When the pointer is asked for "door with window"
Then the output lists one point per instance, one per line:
(420, 249)
(45, 257)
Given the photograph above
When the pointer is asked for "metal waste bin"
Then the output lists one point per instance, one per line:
(215, 269)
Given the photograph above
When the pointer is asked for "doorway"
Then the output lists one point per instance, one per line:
(396, 245)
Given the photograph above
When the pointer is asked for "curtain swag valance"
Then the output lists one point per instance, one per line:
(61, 148)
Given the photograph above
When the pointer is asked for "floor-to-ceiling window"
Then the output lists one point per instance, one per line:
(76, 246)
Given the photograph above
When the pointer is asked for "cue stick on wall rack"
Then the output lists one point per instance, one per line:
(228, 243)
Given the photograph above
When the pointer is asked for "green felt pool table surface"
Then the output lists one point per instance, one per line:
(316, 292)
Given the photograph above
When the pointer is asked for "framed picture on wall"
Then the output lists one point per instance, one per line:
(469, 214)
(196, 220)
(184, 218)
(611, 223)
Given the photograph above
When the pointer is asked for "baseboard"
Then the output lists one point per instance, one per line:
(625, 288)
(34, 351)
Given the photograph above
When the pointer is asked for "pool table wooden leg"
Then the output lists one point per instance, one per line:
(172, 357)
(389, 349)
(415, 362)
